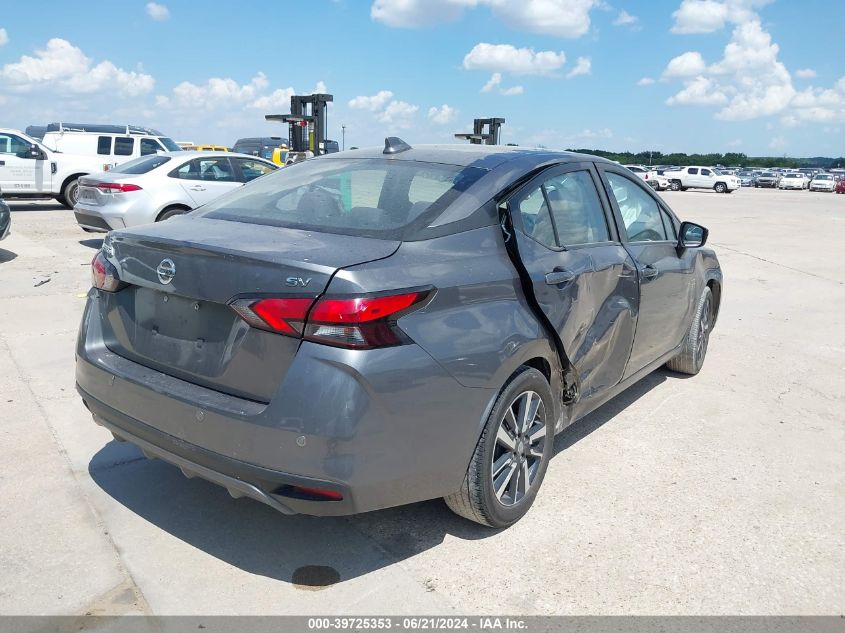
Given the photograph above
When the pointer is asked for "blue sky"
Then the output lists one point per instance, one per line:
(763, 77)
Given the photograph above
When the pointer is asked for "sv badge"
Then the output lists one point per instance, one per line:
(297, 282)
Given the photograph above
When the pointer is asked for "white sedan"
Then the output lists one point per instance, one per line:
(822, 182)
(792, 180)
(159, 186)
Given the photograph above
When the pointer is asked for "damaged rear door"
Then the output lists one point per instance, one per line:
(581, 277)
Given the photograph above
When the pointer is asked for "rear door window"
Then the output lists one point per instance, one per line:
(693, 171)
(124, 146)
(207, 169)
(104, 145)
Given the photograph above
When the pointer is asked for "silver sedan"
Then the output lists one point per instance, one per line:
(157, 187)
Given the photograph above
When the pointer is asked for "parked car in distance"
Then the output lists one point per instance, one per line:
(746, 178)
(29, 169)
(766, 179)
(840, 186)
(262, 146)
(792, 180)
(373, 328)
(695, 177)
(154, 188)
(5, 218)
(113, 144)
(822, 182)
(651, 177)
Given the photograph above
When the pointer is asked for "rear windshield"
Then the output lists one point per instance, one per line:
(141, 165)
(368, 197)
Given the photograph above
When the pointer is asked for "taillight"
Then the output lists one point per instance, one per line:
(104, 276)
(285, 316)
(116, 187)
(350, 322)
(361, 322)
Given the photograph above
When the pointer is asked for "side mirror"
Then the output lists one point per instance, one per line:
(692, 235)
(36, 153)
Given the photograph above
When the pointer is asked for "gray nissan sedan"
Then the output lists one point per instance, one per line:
(378, 327)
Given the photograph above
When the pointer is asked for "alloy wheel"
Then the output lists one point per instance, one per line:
(518, 453)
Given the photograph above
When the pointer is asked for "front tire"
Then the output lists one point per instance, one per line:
(720, 187)
(675, 185)
(694, 348)
(512, 454)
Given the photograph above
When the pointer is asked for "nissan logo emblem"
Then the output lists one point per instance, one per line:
(166, 271)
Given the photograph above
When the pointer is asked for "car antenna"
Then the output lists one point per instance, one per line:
(394, 145)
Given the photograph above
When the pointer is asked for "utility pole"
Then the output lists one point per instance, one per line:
(343, 134)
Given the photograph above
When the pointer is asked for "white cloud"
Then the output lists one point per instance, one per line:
(699, 91)
(61, 68)
(750, 81)
(4, 37)
(398, 114)
(320, 88)
(706, 16)
(559, 18)
(442, 115)
(157, 12)
(495, 80)
(589, 134)
(278, 101)
(373, 103)
(645, 81)
(737, 142)
(805, 73)
(625, 19)
(518, 61)
(224, 92)
(512, 91)
(583, 66)
(686, 65)
(778, 142)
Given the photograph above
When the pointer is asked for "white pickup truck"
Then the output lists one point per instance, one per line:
(28, 169)
(701, 178)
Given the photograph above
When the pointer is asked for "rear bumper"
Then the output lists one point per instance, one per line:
(240, 478)
(91, 222)
(383, 427)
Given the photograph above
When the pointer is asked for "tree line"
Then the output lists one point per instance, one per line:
(730, 159)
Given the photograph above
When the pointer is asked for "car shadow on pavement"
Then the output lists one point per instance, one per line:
(95, 243)
(6, 256)
(259, 540)
(20, 206)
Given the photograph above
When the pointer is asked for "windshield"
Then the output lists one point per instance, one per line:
(141, 165)
(169, 144)
(824, 177)
(767, 174)
(716, 172)
(367, 197)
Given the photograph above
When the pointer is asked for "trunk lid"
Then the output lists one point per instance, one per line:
(182, 274)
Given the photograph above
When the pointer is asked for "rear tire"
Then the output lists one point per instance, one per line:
(675, 185)
(691, 358)
(170, 212)
(512, 454)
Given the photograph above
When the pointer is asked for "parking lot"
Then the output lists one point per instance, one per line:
(718, 494)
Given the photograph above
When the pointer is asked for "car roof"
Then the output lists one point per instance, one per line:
(485, 156)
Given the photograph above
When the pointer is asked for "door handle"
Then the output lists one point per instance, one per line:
(197, 188)
(559, 277)
(2, 162)
(649, 272)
